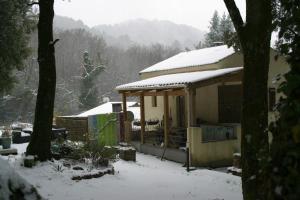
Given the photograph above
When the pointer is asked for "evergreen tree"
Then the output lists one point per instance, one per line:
(88, 91)
(214, 31)
(285, 147)
(226, 29)
(220, 30)
(15, 25)
(199, 45)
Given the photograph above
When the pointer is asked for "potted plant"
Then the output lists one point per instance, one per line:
(6, 138)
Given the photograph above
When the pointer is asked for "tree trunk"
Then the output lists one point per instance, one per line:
(40, 140)
(254, 36)
(255, 123)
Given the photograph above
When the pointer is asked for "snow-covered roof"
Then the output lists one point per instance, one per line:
(107, 108)
(192, 58)
(177, 80)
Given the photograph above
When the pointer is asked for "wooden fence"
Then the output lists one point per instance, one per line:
(77, 127)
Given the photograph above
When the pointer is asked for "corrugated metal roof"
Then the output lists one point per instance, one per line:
(177, 80)
(192, 58)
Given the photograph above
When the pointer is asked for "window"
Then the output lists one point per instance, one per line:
(272, 98)
(217, 133)
(154, 101)
(116, 107)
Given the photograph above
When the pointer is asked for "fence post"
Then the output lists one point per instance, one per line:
(188, 159)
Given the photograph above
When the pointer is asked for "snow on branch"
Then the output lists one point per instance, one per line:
(33, 3)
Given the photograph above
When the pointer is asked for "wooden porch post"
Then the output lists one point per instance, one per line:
(166, 118)
(124, 106)
(142, 101)
(191, 108)
(127, 125)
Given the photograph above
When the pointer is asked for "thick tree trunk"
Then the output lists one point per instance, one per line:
(255, 122)
(40, 140)
(254, 36)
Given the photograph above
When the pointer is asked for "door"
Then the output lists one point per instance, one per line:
(180, 108)
(230, 103)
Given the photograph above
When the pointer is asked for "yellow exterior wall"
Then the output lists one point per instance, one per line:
(234, 60)
(211, 153)
(152, 113)
(279, 66)
(207, 103)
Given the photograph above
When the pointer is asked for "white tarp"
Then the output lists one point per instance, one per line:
(107, 108)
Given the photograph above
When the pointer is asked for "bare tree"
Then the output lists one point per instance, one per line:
(40, 140)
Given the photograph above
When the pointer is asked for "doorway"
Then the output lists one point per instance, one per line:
(180, 111)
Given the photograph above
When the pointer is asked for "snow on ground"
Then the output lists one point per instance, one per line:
(148, 178)
(11, 182)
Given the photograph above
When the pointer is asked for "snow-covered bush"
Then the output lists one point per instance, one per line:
(91, 153)
(13, 186)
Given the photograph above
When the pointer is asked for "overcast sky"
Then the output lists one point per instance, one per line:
(196, 13)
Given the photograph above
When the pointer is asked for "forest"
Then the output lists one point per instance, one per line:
(121, 65)
(122, 54)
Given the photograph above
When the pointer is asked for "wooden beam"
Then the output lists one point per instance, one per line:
(237, 76)
(179, 92)
(171, 92)
(134, 93)
(124, 106)
(127, 124)
(166, 118)
(191, 107)
(142, 108)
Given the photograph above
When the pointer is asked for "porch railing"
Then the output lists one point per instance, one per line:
(212, 133)
(154, 134)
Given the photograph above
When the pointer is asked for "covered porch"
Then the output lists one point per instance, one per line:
(176, 124)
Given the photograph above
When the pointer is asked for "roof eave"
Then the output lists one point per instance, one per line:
(153, 88)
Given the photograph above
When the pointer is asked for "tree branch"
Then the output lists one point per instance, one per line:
(33, 3)
(53, 43)
(235, 16)
(56, 40)
(291, 30)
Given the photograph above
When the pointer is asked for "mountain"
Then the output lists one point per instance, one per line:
(66, 23)
(148, 32)
(138, 31)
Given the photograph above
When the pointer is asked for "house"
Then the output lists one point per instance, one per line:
(197, 95)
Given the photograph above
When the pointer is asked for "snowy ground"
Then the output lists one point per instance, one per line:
(148, 178)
